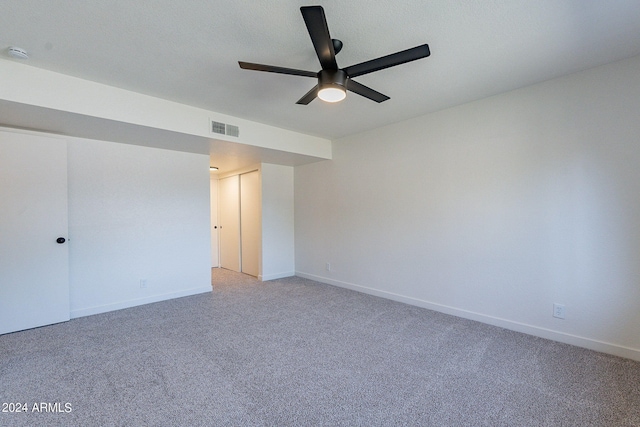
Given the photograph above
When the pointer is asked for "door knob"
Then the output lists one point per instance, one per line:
(61, 240)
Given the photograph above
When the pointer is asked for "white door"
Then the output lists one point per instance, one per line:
(34, 268)
(229, 199)
(215, 252)
(250, 222)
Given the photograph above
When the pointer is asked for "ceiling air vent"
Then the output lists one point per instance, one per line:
(224, 129)
(217, 127)
(233, 130)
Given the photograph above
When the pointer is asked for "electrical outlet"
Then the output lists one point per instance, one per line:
(558, 311)
(143, 283)
(328, 266)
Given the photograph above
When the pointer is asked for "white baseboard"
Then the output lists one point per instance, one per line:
(135, 302)
(604, 347)
(276, 276)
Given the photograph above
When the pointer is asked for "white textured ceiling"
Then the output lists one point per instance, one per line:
(188, 51)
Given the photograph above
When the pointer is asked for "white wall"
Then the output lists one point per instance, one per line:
(28, 85)
(278, 255)
(136, 213)
(493, 210)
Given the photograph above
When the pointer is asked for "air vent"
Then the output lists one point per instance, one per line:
(224, 129)
(233, 130)
(217, 127)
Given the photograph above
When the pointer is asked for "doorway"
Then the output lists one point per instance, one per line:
(239, 214)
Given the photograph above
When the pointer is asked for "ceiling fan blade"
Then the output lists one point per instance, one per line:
(365, 91)
(319, 31)
(383, 62)
(309, 96)
(274, 69)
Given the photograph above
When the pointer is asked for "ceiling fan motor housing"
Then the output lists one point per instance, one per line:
(332, 78)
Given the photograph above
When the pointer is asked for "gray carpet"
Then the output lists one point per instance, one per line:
(293, 352)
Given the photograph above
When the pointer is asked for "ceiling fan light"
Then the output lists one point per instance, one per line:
(332, 93)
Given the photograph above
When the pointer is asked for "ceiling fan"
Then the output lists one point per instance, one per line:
(333, 82)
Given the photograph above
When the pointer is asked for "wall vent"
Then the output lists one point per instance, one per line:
(233, 130)
(224, 129)
(217, 127)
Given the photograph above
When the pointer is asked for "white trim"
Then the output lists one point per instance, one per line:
(591, 344)
(135, 302)
(276, 276)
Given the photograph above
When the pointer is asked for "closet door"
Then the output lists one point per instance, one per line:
(250, 228)
(229, 197)
(215, 250)
(34, 255)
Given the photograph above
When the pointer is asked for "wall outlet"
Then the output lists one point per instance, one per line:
(558, 311)
(328, 266)
(143, 283)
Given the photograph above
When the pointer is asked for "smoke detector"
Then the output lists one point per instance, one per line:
(17, 52)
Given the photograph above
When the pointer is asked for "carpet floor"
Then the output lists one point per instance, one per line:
(293, 352)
